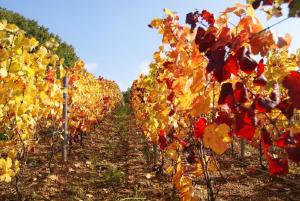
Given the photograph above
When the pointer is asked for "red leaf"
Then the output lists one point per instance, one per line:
(245, 123)
(247, 63)
(224, 38)
(204, 41)
(169, 82)
(278, 166)
(72, 79)
(192, 19)
(232, 65)
(168, 64)
(199, 127)
(260, 81)
(256, 3)
(226, 95)
(216, 59)
(286, 107)
(162, 140)
(260, 68)
(249, 117)
(171, 96)
(200, 34)
(216, 64)
(293, 153)
(282, 141)
(292, 83)
(246, 131)
(268, 2)
(100, 78)
(224, 118)
(172, 112)
(50, 76)
(240, 93)
(264, 104)
(293, 147)
(208, 17)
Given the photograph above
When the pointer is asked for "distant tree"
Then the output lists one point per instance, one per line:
(41, 33)
(126, 95)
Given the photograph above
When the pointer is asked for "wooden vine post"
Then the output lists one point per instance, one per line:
(243, 144)
(65, 117)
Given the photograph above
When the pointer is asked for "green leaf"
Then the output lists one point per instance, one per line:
(3, 137)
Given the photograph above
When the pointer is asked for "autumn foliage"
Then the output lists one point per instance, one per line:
(212, 81)
(32, 96)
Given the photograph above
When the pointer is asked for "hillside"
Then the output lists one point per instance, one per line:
(41, 33)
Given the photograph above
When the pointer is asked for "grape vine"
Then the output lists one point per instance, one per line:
(206, 88)
(32, 96)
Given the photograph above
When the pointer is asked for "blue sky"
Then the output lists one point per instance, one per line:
(112, 37)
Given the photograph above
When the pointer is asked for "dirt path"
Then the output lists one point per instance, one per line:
(113, 165)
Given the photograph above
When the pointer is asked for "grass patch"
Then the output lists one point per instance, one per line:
(111, 174)
(123, 111)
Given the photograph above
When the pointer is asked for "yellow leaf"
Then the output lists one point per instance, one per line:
(158, 56)
(5, 169)
(177, 176)
(172, 154)
(156, 23)
(30, 71)
(185, 182)
(42, 51)
(12, 28)
(25, 136)
(14, 67)
(3, 72)
(169, 170)
(250, 11)
(214, 136)
(12, 153)
(2, 26)
(186, 100)
(19, 51)
(168, 12)
(201, 105)
(222, 130)
(298, 57)
(33, 43)
(198, 77)
(212, 166)
(198, 169)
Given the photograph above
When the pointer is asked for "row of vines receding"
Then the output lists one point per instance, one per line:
(31, 102)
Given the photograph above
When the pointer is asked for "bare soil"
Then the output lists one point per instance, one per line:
(114, 163)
